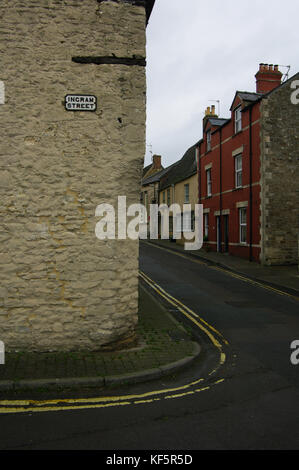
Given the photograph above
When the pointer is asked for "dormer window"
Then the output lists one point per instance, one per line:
(209, 141)
(238, 119)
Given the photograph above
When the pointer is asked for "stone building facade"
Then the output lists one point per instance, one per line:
(280, 175)
(61, 288)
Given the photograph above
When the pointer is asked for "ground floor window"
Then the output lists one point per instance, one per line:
(188, 221)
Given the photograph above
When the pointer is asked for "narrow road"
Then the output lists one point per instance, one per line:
(250, 401)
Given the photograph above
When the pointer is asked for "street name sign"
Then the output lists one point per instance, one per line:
(80, 103)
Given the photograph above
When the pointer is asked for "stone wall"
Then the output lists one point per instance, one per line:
(280, 177)
(61, 288)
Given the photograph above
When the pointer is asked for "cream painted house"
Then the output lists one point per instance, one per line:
(150, 183)
(179, 185)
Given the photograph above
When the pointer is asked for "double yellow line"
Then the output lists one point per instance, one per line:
(226, 271)
(209, 330)
(216, 338)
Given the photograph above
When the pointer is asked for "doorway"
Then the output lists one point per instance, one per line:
(218, 226)
(226, 233)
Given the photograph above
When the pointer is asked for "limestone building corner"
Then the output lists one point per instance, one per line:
(61, 288)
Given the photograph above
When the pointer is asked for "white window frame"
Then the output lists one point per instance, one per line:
(178, 223)
(187, 193)
(238, 119)
(187, 222)
(239, 171)
(243, 225)
(209, 182)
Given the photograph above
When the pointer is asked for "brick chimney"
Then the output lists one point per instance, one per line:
(267, 78)
(157, 162)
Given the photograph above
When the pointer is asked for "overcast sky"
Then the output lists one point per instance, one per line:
(201, 51)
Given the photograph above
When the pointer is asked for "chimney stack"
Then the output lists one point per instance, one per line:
(157, 162)
(209, 113)
(267, 78)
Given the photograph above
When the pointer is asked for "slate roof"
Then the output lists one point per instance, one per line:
(180, 170)
(145, 169)
(217, 121)
(155, 177)
(247, 96)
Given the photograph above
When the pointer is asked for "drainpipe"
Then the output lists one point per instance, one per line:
(173, 194)
(199, 174)
(250, 184)
(173, 202)
(220, 199)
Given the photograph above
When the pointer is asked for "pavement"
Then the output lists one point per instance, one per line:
(284, 278)
(163, 345)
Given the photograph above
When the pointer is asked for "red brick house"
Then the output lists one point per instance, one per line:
(248, 167)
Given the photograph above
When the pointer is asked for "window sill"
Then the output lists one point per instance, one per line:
(237, 133)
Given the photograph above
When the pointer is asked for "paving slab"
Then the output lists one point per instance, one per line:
(163, 346)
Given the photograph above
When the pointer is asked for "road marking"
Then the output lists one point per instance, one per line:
(226, 271)
(177, 303)
(38, 409)
(30, 406)
(181, 255)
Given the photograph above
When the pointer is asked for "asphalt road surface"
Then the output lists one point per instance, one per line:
(243, 395)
